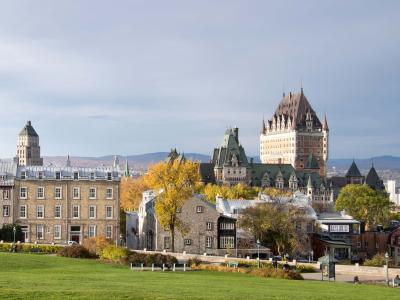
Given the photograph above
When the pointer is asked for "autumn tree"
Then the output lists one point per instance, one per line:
(274, 225)
(237, 191)
(276, 193)
(364, 203)
(131, 192)
(177, 180)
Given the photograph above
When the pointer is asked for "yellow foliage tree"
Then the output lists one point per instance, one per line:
(275, 192)
(131, 192)
(237, 191)
(177, 180)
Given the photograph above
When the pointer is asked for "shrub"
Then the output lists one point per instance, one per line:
(31, 248)
(96, 244)
(149, 259)
(305, 269)
(115, 254)
(194, 262)
(377, 261)
(75, 251)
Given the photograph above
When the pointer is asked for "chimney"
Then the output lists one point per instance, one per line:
(236, 133)
(28, 123)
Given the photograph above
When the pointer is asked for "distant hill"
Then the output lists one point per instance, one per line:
(380, 163)
(142, 161)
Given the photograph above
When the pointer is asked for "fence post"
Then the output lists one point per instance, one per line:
(141, 265)
(184, 267)
(163, 265)
(131, 266)
(152, 267)
(173, 268)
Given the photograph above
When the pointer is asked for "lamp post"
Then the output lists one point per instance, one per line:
(387, 267)
(14, 231)
(258, 253)
(312, 255)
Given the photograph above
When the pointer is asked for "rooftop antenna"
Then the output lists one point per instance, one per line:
(301, 85)
(283, 89)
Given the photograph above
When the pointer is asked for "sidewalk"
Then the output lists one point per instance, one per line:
(346, 278)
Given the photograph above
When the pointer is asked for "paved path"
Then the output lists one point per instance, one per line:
(346, 278)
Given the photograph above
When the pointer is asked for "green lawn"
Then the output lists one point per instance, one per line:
(29, 276)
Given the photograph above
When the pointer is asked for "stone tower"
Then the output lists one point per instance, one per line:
(294, 135)
(28, 149)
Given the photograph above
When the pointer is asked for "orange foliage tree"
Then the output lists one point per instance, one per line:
(131, 192)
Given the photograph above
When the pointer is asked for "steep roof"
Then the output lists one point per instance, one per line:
(353, 171)
(28, 130)
(296, 106)
(230, 150)
(373, 179)
(207, 173)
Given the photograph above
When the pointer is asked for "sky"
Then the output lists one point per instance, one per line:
(130, 77)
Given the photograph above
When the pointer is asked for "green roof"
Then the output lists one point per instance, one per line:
(353, 171)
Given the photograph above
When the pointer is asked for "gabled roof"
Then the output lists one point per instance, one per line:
(207, 173)
(353, 171)
(28, 130)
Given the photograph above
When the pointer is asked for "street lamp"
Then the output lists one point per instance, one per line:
(258, 253)
(14, 231)
(387, 267)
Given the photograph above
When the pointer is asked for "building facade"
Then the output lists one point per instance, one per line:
(28, 148)
(8, 171)
(205, 229)
(57, 205)
(293, 133)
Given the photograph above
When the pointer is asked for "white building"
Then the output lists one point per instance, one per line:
(394, 192)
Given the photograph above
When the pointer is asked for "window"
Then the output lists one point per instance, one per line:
(23, 175)
(40, 211)
(58, 193)
(109, 212)
(39, 232)
(188, 242)
(226, 226)
(92, 212)
(76, 193)
(209, 226)
(92, 193)
(109, 193)
(40, 175)
(40, 192)
(57, 232)
(23, 192)
(339, 228)
(358, 245)
(75, 212)
(6, 210)
(199, 209)
(108, 232)
(92, 176)
(6, 194)
(227, 242)
(57, 211)
(22, 211)
(179, 210)
(167, 242)
(109, 176)
(76, 175)
(209, 241)
(58, 175)
(92, 231)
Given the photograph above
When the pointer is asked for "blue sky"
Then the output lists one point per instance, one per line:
(128, 77)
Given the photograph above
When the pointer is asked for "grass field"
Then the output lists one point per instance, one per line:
(29, 276)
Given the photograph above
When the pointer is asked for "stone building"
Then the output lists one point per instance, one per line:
(28, 149)
(57, 205)
(8, 171)
(205, 229)
(293, 133)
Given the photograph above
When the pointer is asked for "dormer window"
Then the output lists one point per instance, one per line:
(40, 175)
(3, 177)
(76, 175)
(58, 175)
(23, 175)
(92, 176)
(109, 176)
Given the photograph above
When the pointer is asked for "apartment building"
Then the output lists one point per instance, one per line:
(57, 205)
